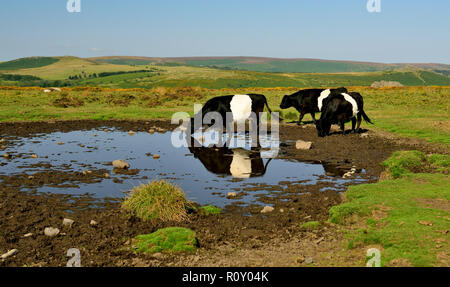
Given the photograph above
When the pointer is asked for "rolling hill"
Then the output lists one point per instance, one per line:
(271, 65)
(214, 73)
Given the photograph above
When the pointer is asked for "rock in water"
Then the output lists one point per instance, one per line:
(121, 164)
(303, 145)
(51, 232)
(232, 194)
(267, 209)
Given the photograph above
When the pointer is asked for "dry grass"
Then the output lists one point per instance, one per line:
(157, 200)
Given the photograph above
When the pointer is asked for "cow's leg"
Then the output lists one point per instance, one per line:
(256, 125)
(353, 124)
(302, 114)
(342, 124)
(313, 115)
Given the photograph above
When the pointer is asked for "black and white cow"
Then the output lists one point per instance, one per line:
(239, 163)
(308, 101)
(241, 107)
(339, 108)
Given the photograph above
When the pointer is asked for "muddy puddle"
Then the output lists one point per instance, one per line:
(76, 163)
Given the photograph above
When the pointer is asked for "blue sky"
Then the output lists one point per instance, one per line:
(404, 31)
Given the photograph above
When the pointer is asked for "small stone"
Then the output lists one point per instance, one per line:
(60, 143)
(267, 209)
(106, 130)
(3, 147)
(93, 223)
(282, 210)
(68, 222)
(106, 175)
(309, 260)
(232, 194)
(131, 133)
(28, 235)
(51, 232)
(151, 131)
(300, 259)
(31, 177)
(9, 253)
(81, 145)
(34, 156)
(156, 156)
(158, 256)
(302, 145)
(363, 136)
(7, 155)
(85, 172)
(121, 164)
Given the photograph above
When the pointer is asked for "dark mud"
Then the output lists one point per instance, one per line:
(239, 227)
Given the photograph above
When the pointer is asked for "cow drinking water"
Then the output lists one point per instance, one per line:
(339, 108)
(308, 101)
(232, 109)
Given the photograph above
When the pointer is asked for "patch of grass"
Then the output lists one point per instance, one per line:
(404, 162)
(171, 240)
(210, 210)
(66, 100)
(310, 225)
(159, 200)
(390, 213)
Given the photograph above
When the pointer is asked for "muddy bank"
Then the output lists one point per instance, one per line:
(238, 228)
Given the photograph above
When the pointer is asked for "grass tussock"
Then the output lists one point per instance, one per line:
(157, 200)
(66, 100)
(210, 210)
(403, 163)
(171, 240)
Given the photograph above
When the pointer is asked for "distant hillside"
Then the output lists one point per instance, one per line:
(27, 63)
(272, 65)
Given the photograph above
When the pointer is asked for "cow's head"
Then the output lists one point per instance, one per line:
(286, 102)
(323, 129)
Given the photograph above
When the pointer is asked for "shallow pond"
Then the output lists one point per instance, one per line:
(206, 175)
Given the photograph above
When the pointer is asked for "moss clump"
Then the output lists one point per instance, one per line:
(172, 240)
(310, 225)
(405, 162)
(210, 210)
(157, 200)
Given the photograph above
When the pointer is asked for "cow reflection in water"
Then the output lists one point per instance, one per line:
(239, 163)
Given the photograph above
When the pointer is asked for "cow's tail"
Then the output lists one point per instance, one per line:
(270, 111)
(366, 118)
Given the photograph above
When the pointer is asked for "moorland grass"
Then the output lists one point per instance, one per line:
(408, 216)
(210, 210)
(416, 112)
(157, 200)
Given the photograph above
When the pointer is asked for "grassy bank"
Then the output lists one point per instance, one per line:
(420, 112)
(407, 215)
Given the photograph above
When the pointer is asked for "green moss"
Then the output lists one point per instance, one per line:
(172, 240)
(210, 210)
(157, 200)
(404, 162)
(310, 225)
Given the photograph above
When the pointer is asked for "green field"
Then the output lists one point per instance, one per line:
(72, 71)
